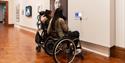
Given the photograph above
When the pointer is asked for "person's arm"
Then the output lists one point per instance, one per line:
(64, 25)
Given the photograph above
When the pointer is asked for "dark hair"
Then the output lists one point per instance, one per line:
(47, 13)
(42, 12)
(58, 14)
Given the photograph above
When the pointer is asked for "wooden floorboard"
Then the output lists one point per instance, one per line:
(118, 52)
(18, 46)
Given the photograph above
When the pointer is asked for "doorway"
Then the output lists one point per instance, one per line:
(4, 12)
(64, 6)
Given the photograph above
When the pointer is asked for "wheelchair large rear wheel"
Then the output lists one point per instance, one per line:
(64, 51)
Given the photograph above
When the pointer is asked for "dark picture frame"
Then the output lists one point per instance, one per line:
(28, 11)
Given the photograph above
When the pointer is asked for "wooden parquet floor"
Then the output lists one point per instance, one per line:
(18, 46)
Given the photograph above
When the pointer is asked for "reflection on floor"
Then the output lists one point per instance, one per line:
(18, 46)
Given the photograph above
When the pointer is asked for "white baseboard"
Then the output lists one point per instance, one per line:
(101, 50)
(17, 26)
(103, 54)
(25, 28)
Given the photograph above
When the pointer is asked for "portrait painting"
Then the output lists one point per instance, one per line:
(28, 11)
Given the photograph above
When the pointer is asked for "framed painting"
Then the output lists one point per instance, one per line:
(28, 11)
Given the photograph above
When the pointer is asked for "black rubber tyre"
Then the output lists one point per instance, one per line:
(64, 51)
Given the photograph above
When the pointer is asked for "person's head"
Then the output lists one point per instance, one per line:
(57, 4)
(48, 12)
(41, 12)
(58, 14)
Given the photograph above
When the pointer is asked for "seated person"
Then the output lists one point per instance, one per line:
(58, 24)
(45, 18)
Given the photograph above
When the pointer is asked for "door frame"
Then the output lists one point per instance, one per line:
(7, 13)
(64, 6)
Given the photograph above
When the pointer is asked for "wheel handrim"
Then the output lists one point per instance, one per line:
(65, 51)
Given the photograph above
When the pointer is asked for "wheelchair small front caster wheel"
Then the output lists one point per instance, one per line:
(80, 55)
(38, 49)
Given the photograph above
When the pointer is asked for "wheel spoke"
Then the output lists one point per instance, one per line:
(66, 52)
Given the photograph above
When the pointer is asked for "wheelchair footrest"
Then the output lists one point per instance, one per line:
(55, 39)
(78, 47)
(78, 51)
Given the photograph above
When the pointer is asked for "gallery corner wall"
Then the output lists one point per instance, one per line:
(31, 21)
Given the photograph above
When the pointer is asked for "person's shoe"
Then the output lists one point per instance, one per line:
(78, 51)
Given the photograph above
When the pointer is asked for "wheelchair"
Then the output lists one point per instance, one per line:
(62, 49)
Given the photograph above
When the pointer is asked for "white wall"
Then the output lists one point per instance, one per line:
(97, 18)
(112, 22)
(14, 11)
(120, 22)
(97, 26)
(30, 22)
(11, 9)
